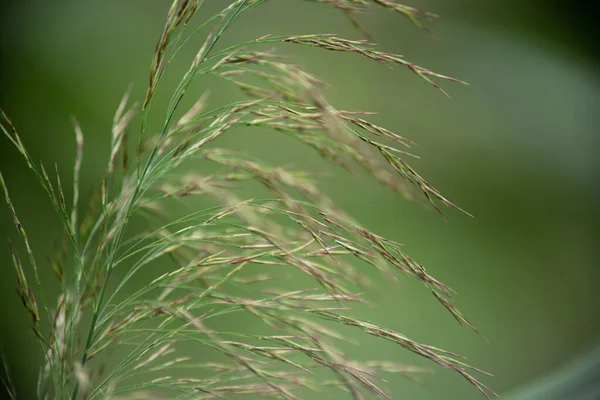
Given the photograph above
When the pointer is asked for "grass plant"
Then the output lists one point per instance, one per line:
(116, 338)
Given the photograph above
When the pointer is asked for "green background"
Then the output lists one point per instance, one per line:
(516, 149)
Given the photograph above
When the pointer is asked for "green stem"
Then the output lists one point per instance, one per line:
(91, 331)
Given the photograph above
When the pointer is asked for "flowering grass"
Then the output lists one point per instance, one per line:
(238, 245)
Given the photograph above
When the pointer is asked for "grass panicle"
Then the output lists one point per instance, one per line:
(118, 338)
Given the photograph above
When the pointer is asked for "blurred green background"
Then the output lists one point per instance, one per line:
(516, 149)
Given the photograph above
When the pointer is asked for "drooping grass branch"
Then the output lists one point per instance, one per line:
(238, 255)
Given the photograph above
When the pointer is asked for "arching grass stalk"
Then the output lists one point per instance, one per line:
(228, 258)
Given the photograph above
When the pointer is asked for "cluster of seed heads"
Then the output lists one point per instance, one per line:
(103, 339)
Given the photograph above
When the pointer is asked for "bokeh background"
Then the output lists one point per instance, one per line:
(517, 149)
